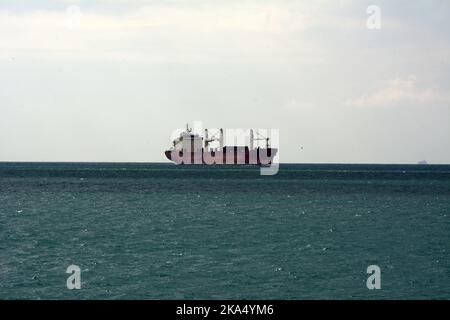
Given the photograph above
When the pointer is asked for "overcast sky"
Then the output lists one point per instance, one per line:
(111, 80)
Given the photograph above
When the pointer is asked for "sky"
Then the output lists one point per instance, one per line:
(112, 80)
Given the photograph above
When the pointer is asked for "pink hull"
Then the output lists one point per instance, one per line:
(228, 156)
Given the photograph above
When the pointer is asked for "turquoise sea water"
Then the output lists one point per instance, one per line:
(159, 231)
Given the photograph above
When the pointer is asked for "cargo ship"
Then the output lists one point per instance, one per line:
(192, 148)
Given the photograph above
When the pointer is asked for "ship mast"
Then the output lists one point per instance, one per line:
(212, 139)
(221, 139)
(260, 137)
(207, 140)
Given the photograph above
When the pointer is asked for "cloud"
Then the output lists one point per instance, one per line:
(230, 31)
(158, 32)
(400, 92)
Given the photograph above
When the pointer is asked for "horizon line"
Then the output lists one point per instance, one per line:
(166, 162)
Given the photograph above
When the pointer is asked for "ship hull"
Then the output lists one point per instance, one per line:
(226, 156)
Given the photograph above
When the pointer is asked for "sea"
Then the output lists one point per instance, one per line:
(161, 231)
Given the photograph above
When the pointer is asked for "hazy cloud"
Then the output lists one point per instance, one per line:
(400, 92)
(158, 33)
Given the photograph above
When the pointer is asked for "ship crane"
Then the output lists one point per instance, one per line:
(213, 138)
(259, 137)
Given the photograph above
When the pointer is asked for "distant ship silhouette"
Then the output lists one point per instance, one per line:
(422, 162)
